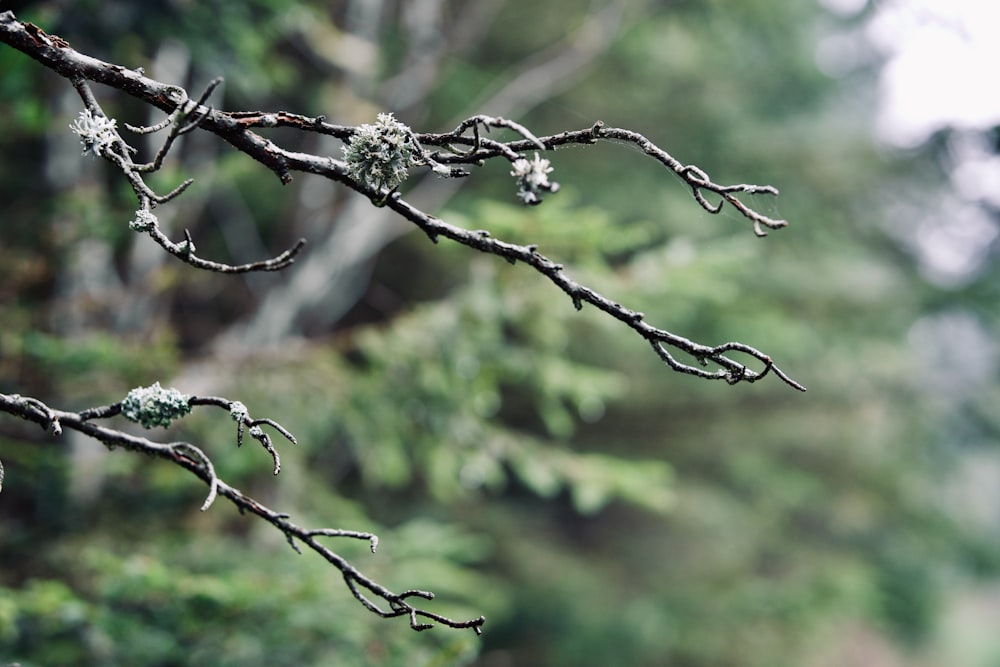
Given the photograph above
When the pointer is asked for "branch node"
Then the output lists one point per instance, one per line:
(419, 627)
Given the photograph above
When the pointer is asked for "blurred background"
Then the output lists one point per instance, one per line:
(523, 460)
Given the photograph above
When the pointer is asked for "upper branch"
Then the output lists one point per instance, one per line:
(368, 171)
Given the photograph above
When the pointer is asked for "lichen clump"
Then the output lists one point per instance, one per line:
(97, 133)
(143, 221)
(380, 155)
(155, 406)
(533, 179)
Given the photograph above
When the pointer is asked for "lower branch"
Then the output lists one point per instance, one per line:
(194, 460)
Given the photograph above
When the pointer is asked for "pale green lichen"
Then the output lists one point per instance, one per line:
(143, 221)
(380, 155)
(155, 406)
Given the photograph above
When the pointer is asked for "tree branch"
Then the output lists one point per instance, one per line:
(463, 146)
(194, 460)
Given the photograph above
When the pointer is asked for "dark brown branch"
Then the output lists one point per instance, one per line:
(235, 127)
(193, 459)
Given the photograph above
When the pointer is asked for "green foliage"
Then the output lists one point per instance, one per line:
(23, 109)
(99, 364)
(150, 607)
(496, 348)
